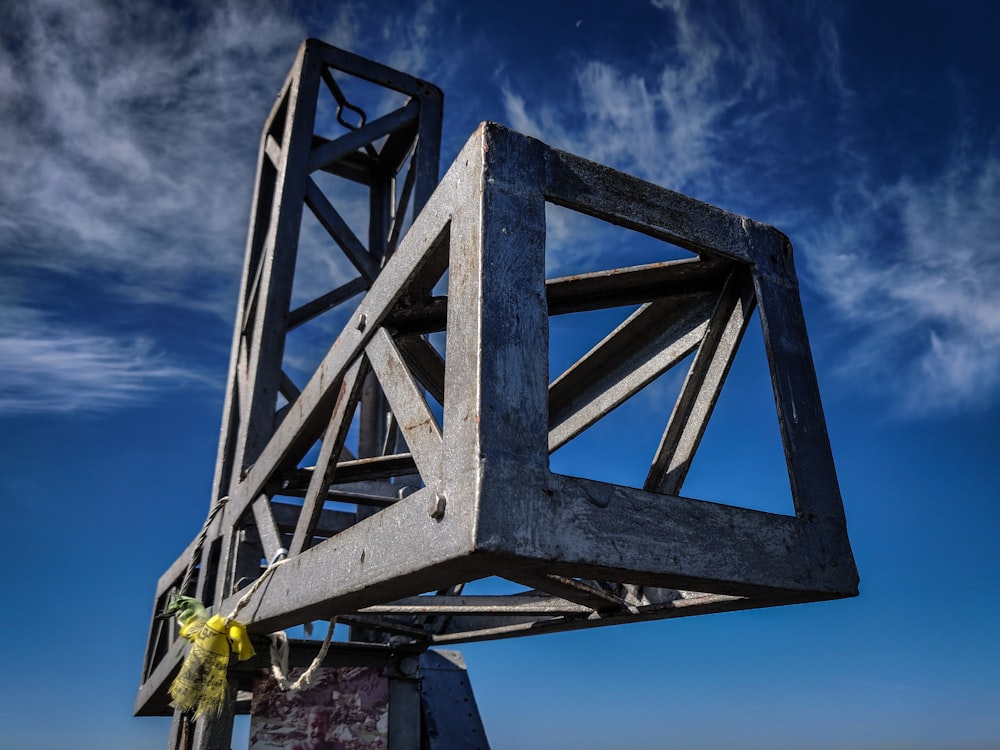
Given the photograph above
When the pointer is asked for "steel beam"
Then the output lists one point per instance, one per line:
(465, 491)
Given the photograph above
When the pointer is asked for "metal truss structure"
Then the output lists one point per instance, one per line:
(451, 480)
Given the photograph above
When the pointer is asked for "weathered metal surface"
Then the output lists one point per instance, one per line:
(702, 386)
(465, 491)
(654, 338)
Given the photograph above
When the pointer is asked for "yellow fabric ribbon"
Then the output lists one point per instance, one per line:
(201, 684)
(222, 637)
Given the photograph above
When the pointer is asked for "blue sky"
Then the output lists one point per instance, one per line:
(871, 137)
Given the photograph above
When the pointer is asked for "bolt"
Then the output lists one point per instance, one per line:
(437, 506)
(362, 322)
(408, 666)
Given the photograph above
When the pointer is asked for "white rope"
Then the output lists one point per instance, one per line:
(244, 600)
(279, 640)
(279, 660)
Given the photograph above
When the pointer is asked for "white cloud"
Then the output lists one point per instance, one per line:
(674, 122)
(659, 124)
(50, 368)
(766, 123)
(134, 134)
(409, 40)
(131, 135)
(913, 268)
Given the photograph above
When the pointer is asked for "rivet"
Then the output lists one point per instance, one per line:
(437, 506)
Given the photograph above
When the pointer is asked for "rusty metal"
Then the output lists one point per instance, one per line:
(465, 490)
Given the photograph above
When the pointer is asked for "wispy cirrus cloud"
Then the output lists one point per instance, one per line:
(698, 114)
(51, 368)
(133, 131)
(135, 128)
(408, 41)
(656, 128)
(702, 119)
(770, 125)
(913, 267)
(628, 121)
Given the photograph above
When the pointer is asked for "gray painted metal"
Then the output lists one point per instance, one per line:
(451, 717)
(404, 709)
(471, 495)
(396, 157)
